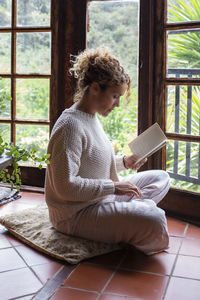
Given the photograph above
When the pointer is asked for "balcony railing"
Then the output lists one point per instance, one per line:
(189, 73)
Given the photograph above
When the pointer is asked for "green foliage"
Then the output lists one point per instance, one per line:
(195, 129)
(33, 55)
(33, 99)
(34, 12)
(183, 52)
(184, 48)
(115, 25)
(4, 96)
(18, 154)
(5, 12)
(184, 10)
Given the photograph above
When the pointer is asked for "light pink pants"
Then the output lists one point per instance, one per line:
(138, 222)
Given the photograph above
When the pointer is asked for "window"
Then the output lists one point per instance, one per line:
(115, 24)
(174, 101)
(25, 68)
(182, 93)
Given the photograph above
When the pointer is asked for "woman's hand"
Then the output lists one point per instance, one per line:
(130, 162)
(127, 188)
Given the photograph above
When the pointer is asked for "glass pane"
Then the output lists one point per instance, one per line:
(32, 99)
(34, 52)
(183, 53)
(5, 98)
(5, 132)
(115, 25)
(183, 10)
(183, 109)
(29, 136)
(5, 13)
(5, 52)
(33, 13)
(183, 165)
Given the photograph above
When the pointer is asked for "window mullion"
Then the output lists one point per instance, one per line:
(13, 71)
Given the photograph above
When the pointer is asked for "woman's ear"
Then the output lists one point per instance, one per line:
(94, 88)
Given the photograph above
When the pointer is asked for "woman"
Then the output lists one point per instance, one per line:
(83, 192)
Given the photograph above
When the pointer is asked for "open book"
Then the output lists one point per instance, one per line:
(148, 142)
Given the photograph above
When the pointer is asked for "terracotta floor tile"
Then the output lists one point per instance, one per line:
(176, 227)
(109, 259)
(10, 260)
(183, 289)
(187, 266)
(71, 294)
(114, 297)
(174, 244)
(46, 271)
(161, 263)
(18, 283)
(33, 257)
(190, 247)
(4, 243)
(12, 239)
(138, 285)
(193, 232)
(89, 277)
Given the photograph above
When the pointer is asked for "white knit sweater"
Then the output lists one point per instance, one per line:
(82, 167)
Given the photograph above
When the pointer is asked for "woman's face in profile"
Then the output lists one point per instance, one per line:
(107, 100)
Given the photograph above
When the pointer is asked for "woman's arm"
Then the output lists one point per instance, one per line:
(128, 162)
(120, 163)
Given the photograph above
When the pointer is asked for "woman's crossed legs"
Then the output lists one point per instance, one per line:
(138, 222)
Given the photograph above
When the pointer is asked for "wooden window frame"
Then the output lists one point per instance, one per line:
(68, 36)
(30, 175)
(180, 203)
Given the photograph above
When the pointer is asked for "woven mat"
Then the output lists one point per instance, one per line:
(33, 227)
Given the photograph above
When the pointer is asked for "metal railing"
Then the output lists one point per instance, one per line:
(189, 73)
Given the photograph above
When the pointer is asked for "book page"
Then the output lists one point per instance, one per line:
(147, 143)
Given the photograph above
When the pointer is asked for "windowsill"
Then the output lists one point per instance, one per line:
(26, 188)
(5, 161)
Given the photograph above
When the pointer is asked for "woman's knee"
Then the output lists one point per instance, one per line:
(160, 176)
(165, 176)
(157, 220)
(159, 239)
(153, 236)
(160, 185)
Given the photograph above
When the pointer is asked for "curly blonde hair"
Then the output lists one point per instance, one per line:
(97, 65)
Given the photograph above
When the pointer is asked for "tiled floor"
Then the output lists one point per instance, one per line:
(124, 274)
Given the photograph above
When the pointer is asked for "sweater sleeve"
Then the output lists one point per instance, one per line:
(66, 149)
(119, 163)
